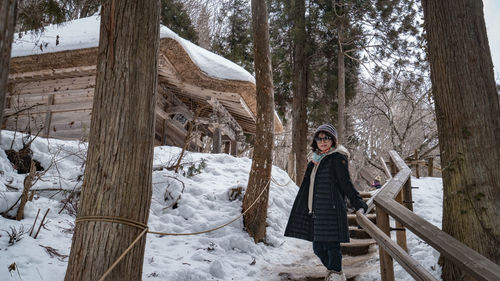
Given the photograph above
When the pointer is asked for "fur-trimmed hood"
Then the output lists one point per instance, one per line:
(341, 149)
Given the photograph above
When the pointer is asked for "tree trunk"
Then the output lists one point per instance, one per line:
(8, 9)
(341, 91)
(468, 122)
(117, 179)
(299, 112)
(260, 174)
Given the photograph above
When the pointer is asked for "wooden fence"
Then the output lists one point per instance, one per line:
(395, 199)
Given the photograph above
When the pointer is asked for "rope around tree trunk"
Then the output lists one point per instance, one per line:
(145, 228)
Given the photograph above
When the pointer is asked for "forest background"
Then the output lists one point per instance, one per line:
(386, 93)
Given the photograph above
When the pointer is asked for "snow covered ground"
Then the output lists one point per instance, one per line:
(225, 254)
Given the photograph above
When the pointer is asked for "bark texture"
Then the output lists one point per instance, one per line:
(299, 112)
(7, 24)
(341, 96)
(255, 219)
(468, 119)
(117, 180)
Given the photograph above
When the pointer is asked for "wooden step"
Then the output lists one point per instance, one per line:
(365, 194)
(352, 218)
(358, 233)
(357, 247)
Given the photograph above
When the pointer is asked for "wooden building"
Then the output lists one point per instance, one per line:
(51, 88)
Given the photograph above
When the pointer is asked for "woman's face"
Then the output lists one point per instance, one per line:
(324, 142)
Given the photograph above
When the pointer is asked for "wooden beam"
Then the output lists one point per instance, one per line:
(216, 141)
(416, 270)
(53, 72)
(52, 108)
(400, 229)
(234, 147)
(224, 115)
(471, 261)
(48, 117)
(386, 264)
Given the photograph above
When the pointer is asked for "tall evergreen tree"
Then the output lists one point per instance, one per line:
(468, 119)
(174, 16)
(299, 82)
(281, 53)
(117, 180)
(8, 11)
(262, 160)
(234, 41)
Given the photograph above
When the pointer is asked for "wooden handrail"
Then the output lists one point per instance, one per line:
(471, 261)
(416, 270)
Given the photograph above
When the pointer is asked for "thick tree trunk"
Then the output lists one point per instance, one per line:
(260, 174)
(468, 119)
(299, 112)
(117, 179)
(341, 96)
(7, 24)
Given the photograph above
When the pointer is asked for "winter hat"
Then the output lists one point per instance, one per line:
(328, 128)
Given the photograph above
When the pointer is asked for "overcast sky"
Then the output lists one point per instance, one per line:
(492, 18)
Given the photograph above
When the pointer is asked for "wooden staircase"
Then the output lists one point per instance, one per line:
(360, 249)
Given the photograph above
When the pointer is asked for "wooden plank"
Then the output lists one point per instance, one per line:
(234, 147)
(386, 264)
(393, 186)
(417, 166)
(471, 261)
(411, 266)
(396, 159)
(386, 170)
(48, 117)
(407, 195)
(53, 108)
(53, 72)
(54, 85)
(75, 134)
(401, 231)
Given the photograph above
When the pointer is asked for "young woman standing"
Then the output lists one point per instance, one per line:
(319, 212)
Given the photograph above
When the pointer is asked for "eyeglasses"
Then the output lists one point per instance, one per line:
(325, 139)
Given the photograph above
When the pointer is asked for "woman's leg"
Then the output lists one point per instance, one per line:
(334, 256)
(320, 251)
(330, 254)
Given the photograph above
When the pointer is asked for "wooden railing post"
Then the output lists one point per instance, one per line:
(430, 167)
(407, 195)
(417, 167)
(400, 229)
(386, 264)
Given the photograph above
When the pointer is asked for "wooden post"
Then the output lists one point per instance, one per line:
(48, 116)
(386, 264)
(216, 140)
(430, 167)
(394, 170)
(407, 196)
(226, 147)
(401, 230)
(164, 133)
(417, 168)
(234, 148)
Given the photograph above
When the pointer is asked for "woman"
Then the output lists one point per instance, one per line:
(319, 211)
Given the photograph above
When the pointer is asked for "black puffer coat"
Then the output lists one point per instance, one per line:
(328, 221)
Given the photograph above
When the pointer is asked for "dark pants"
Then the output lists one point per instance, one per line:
(329, 253)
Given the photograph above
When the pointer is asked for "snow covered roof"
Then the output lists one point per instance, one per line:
(71, 49)
(84, 33)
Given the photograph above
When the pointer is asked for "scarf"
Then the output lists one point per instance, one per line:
(317, 156)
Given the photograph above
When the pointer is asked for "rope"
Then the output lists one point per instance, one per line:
(145, 228)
